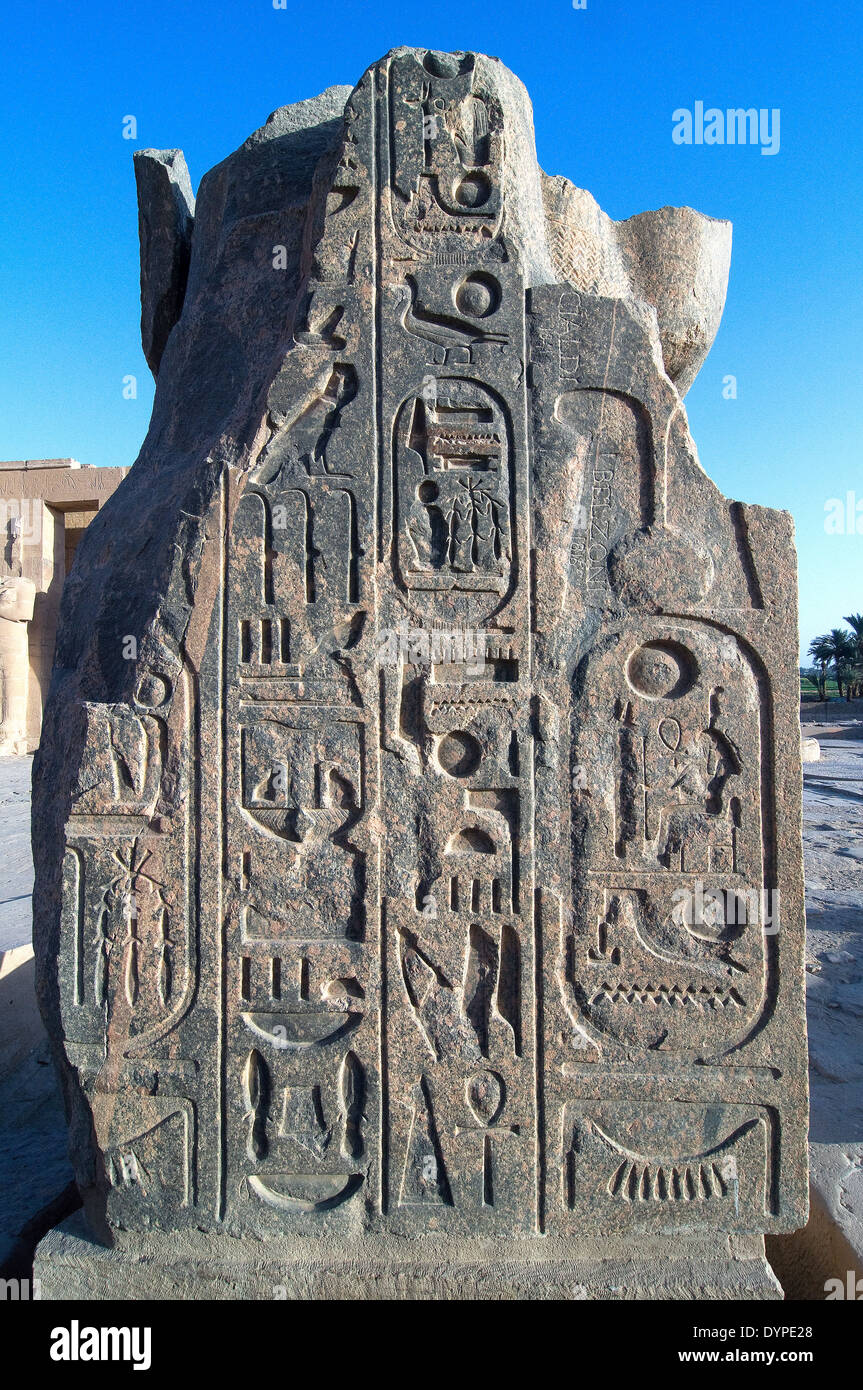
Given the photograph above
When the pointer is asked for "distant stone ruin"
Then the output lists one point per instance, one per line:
(45, 504)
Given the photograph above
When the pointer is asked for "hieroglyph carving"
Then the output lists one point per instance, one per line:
(387, 944)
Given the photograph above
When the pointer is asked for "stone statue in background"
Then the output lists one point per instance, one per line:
(374, 971)
(17, 600)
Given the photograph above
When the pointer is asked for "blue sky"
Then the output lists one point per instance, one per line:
(604, 80)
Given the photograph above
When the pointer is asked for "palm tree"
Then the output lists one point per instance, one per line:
(855, 622)
(821, 651)
(843, 655)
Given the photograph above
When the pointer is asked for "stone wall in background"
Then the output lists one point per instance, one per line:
(45, 504)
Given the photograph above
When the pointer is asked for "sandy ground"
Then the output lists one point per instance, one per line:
(34, 1167)
(16, 862)
(833, 840)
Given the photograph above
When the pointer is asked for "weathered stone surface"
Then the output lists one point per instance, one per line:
(17, 599)
(166, 215)
(675, 259)
(414, 873)
(195, 1266)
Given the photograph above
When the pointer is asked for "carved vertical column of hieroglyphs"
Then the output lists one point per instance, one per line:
(128, 943)
(455, 659)
(664, 1095)
(299, 896)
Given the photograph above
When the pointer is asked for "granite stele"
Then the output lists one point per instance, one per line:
(417, 818)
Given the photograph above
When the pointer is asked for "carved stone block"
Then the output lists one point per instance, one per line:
(433, 868)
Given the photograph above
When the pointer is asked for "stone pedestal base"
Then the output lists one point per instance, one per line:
(69, 1265)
